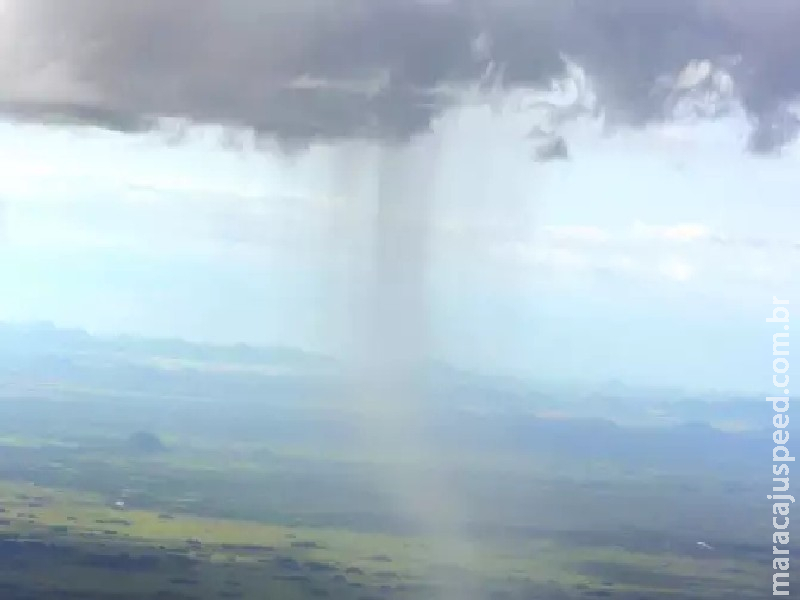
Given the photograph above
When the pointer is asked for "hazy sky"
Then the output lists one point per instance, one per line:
(650, 256)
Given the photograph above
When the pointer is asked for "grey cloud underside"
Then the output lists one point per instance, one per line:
(320, 69)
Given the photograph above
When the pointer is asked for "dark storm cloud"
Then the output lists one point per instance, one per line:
(318, 68)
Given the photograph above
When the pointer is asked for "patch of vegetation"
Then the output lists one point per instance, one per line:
(146, 442)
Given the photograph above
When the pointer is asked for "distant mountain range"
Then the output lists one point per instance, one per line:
(42, 354)
(46, 338)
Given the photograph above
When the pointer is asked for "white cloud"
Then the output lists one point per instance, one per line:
(577, 234)
(676, 269)
(682, 232)
(646, 255)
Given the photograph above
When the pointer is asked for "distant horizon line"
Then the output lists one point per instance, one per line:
(532, 381)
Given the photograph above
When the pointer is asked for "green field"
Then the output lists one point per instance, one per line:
(120, 478)
(231, 521)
